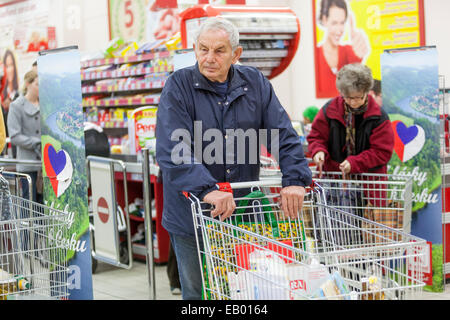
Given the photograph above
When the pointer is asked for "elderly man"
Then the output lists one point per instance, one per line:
(216, 95)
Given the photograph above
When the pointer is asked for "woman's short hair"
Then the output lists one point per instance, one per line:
(354, 77)
(221, 24)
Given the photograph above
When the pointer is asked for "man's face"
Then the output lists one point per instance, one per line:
(215, 55)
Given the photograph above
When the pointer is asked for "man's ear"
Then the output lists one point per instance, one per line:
(237, 54)
(195, 51)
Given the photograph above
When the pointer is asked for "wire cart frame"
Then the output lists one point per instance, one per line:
(383, 198)
(257, 253)
(33, 249)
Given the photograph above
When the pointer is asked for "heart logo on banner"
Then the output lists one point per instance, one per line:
(408, 140)
(59, 169)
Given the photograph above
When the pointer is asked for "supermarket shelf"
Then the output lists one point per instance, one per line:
(121, 102)
(131, 59)
(267, 36)
(134, 86)
(268, 29)
(97, 75)
(262, 64)
(265, 53)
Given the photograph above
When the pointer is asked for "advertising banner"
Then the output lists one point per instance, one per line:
(410, 86)
(25, 29)
(64, 161)
(350, 31)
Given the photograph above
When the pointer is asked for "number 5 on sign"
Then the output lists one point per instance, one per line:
(127, 19)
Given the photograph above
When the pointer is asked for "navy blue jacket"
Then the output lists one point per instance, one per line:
(250, 103)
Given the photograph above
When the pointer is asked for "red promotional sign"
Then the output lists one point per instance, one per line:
(103, 210)
(421, 261)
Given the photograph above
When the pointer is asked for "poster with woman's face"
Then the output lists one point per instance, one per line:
(10, 80)
(358, 31)
(24, 30)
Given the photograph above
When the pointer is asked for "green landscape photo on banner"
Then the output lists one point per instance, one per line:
(410, 87)
(64, 161)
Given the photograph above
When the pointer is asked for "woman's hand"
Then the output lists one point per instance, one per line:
(359, 43)
(319, 159)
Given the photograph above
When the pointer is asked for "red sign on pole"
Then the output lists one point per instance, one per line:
(103, 210)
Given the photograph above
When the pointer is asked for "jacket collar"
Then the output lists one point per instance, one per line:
(28, 107)
(201, 82)
(336, 109)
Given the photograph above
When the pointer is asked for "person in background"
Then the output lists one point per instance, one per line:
(34, 66)
(375, 92)
(212, 93)
(172, 273)
(352, 133)
(308, 118)
(331, 54)
(25, 132)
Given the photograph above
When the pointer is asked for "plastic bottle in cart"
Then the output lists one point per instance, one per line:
(317, 275)
(266, 261)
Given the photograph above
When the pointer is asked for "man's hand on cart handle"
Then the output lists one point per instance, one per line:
(292, 200)
(319, 159)
(223, 202)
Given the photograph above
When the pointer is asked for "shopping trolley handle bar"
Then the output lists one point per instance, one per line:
(229, 187)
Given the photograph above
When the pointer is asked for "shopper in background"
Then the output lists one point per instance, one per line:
(331, 54)
(352, 133)
(172, 272)
(25, 132)
(375, 92)
(217, 93)
(308, 117)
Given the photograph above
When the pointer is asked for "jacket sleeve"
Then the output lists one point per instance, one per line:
(380, 151)
(292, 161)
(15, 131)
(318, 137)
(175, 144)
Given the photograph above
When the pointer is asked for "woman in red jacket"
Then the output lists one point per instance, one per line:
(352, 133)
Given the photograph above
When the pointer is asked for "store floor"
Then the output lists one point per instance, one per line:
(112, 283)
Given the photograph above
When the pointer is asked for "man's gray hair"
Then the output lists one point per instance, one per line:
(221, 24)
(354, 77)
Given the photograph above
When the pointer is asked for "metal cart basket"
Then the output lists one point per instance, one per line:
(258, 253)
(383, 198)
(33, 249)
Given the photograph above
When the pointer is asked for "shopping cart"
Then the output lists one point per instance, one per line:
(383, 198)
(258, 253)
(33, 249)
